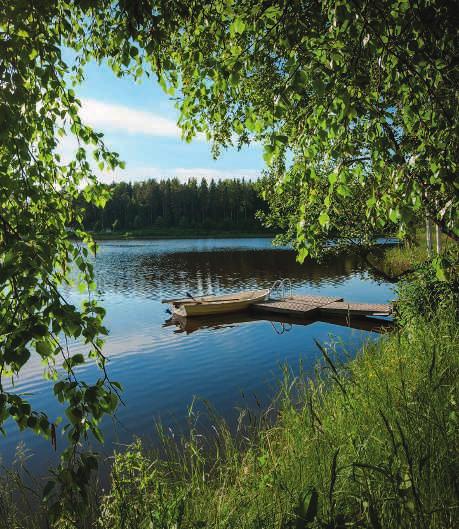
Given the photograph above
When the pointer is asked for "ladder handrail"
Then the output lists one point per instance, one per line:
(276, 286)
(280, 286)
(284, 281)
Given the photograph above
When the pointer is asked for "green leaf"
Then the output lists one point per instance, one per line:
(281, 139)
(48, 489)
(39, 330)
(268, 153)
(394, 215)
(302, 254)
(237, 26)
(307, 508)
(333, 177)
(44, 348)
(74, 414)
(77, 359)
(440, 270)
(22, 356)
(97, 433)
(73, 361)
(324, 219)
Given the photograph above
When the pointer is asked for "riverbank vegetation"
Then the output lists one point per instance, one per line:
(368, 443)
(355, 104)
(168, 207)
(396, 261)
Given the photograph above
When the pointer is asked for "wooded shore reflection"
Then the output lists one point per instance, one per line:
(161, 274)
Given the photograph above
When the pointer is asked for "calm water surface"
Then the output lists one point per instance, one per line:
(231, 363)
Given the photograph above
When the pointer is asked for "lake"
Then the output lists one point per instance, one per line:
(231, 363)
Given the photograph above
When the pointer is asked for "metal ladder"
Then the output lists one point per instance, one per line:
(281, 287)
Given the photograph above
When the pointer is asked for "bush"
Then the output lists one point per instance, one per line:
(433, 285)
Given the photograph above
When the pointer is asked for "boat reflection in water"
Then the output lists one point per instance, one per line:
(279, 323)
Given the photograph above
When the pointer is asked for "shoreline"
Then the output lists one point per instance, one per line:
(161, 236)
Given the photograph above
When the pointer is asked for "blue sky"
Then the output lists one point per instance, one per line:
(139, 122)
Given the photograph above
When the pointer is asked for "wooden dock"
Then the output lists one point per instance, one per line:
(308, 306)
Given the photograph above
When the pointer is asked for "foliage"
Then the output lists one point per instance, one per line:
(396, 261)
(369, 444)
(225, 204)
(37, 192)
(427, 289)
(345, 230)
(366, 89)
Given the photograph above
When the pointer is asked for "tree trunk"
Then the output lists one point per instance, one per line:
(438, 235)
(429, 235)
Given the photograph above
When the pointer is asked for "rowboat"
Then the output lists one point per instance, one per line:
(208, 305)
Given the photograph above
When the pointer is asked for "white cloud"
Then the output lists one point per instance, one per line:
(137, 174)
(107, 116)
(67, 148)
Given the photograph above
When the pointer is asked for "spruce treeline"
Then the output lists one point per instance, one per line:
(229, 204)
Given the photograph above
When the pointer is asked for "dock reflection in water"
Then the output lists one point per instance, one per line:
(280, 324)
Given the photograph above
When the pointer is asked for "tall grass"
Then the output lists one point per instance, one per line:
(369, 444)
(20, 495)
(397, 261)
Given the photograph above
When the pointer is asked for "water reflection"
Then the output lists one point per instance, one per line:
(162, 370)
(280, 324)
(158, 273)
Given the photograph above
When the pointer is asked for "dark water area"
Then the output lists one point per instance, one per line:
(232, 362)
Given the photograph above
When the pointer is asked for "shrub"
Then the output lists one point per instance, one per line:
(434, 284)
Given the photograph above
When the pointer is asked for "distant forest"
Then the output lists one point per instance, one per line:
(223, 205)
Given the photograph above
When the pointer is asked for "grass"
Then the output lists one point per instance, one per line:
(370, 444)
(396, 261)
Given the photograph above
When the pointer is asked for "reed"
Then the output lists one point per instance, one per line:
(397, 261)
(371, 443)
(368, 444)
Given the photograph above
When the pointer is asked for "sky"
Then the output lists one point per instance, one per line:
(139, 122)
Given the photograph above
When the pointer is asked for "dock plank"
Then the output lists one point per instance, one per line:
(315, 300)
(368, 309)
(308, 305)
(286, 307)
(295, 305)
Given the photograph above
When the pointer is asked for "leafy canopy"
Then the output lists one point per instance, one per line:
(38, 191)
(299, 206)
(367, 89)
(346, 96)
